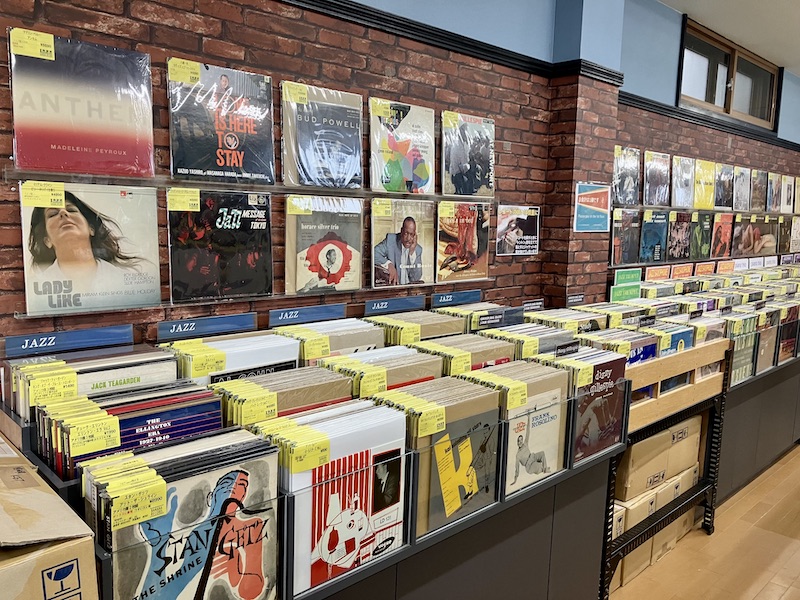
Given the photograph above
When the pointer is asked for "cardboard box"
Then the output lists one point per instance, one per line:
(10, 455)
(690, 477)
(643, 466)
(668, 491)
(46, 550)
(639, 508)
(636, 562)
(665, 540)
(619, 521)
(685, 446)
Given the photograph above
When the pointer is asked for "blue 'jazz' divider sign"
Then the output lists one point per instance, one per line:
(306, 314)
(392, 305)
(181, 329)
(455, 298)
(66, 341)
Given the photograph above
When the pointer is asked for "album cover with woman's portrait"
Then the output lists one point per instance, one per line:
(80, 107)
(89, 247)
(463, 241)
(220, 123)
(324, 237)
(222, 250)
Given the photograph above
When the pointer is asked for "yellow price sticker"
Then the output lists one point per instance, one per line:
(449, 119)
(35, 44)
(207, 360)
(183, 199)
(259, 408)
(295, 205)
(517, 394)
(432, 419)
(183, 71)
(313, 453)
(695, 217)
(94, 436)
(381, 207)
(295, 92)
(460, 361)
(738, 218)
(447, 209)
(409, 333)
(139, 505)
(371, 381)
(530, 347)
(42, 194)
(673, 216)
(46, 388)
(380, 107)
(648, 215)
(617, 214)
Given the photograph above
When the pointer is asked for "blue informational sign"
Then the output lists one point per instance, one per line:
(306, 314)
(68, 341)
(592, 207)
(455, 298)
(182, 329)
(393, 305)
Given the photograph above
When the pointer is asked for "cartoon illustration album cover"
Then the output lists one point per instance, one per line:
(625, 183)
(403, 242)
(321, 136)
(222, 250)
(462, 241)
(517, 230)
(80, 107)
(323, 244)
(220, 123)
(402, 147)
(467, 155)
(89, 247)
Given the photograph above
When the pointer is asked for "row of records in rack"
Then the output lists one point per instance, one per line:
(85, 108)
(684, 182)
(656, 236)
(96, 247)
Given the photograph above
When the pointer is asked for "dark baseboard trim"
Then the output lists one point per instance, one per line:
(347, 10)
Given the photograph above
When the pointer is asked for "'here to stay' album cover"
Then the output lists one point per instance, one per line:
(467, 155)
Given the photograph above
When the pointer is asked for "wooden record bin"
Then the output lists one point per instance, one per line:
(656, 372)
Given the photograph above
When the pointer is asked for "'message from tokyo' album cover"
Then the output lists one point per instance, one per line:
(220, 123)
(403, 242)
(224, 249)
(97, 251)
(86, 108)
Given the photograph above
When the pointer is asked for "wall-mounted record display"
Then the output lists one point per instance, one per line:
(467, 155)
(220, 123)
(221, 250)
(625, 184)
(98, 250)
(403, 242)
(463, 241)
(625, 245)
(741, 188)
(682, 182)
(81, 107)
(321, 136)
(324, 238)
(759, 185)
(402, 147)
(723, 187)
(656, 178)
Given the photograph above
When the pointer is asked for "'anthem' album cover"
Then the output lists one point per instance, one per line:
(220, 123)
(463, 244)
(467, 155)
(80, 107)
(95, 247)
(321, 137)
(223, 250)
(402, 147)
(403, 242)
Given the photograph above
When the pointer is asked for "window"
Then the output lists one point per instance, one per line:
(721, 77)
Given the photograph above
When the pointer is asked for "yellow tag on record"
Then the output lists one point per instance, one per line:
(54, 386)
(316, 347)
(517, 394)
(449, 119)
(623, 348)
(259, 408)
(738, 218)
(183, 199)
(530, 347)
(617, 214)
(207, 360)
(695, 217)
(673, 216)
(183, 71)
(409, 333)
(678, 287)
(139, 505)
(313, 453)
(432, 419)
(766, 218)
(617, 151)
(296, 205)
(42, 194)
(753, 218)
(380, 107)
(460, 361)
(295, 92)
(371, 381)
(762, 319)
(35, 44)
(648, 215)
(447, 209)
(381, 207)
(94, 436)
(780, 220)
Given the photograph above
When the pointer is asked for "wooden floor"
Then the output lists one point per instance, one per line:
(754, 553)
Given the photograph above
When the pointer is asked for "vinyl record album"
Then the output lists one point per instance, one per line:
(625, 185)
(679, 235)
(682, 182)
(463, 241)
(653, 245)
(467, 155)
(741, 188)
(656, 179)
(403, 242)
(723, 187)
(517, 230)
(625, 245)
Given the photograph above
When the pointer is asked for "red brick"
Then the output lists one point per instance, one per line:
(223, 49)
(175, 38)
(114, 7)
(291, 28)
(89, 19)
(21, 8)
(163, 15)
(227, 11)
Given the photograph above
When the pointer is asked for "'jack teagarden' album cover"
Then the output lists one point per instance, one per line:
(93, 247)
(80, 107)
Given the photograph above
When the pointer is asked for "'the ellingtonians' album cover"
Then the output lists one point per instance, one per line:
(321, 136)
(467, 155)
(682, 182)
(89, 247)
(517, 230)
(80, 107)
(403, 242)
(220, 123)
(402, 147)
(324, 238)
(625, 185)
(463, 241)
(656, 178)
(223, 249)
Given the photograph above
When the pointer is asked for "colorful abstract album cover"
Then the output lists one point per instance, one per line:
(682, 182)
(653, 243)
(625, 184)
(625, 244)
(403, 242)
(323, 244)
(656, 178)
(679, 238)
(467, 155)
(222, 250)
(220, 123)
(463, 241)
(94, 247)
(80, 107)
(402, 147)
(517, 230)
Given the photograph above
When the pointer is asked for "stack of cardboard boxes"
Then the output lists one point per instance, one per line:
(651, 475)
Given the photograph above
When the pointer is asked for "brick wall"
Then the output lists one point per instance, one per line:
(286, 43)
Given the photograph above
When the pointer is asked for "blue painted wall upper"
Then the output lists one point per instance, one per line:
(601, 32)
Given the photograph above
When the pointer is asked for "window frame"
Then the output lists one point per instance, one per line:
(735, 51)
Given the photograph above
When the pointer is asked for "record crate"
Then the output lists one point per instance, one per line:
(677, 382)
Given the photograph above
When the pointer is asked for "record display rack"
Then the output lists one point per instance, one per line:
(704, 493)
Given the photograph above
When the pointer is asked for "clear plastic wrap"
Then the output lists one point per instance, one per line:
(625, 183)
(683, 182)
(403, 242)
(741, 188)
(220, 123)
(723, 187)
(324, 239)
(467, 155)
(721, 236)
(787, 194)
(80, 107)
(321, 136)
(774, 193)
(656, 178)
(653, 242)
(462, 241)
(95, 247)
